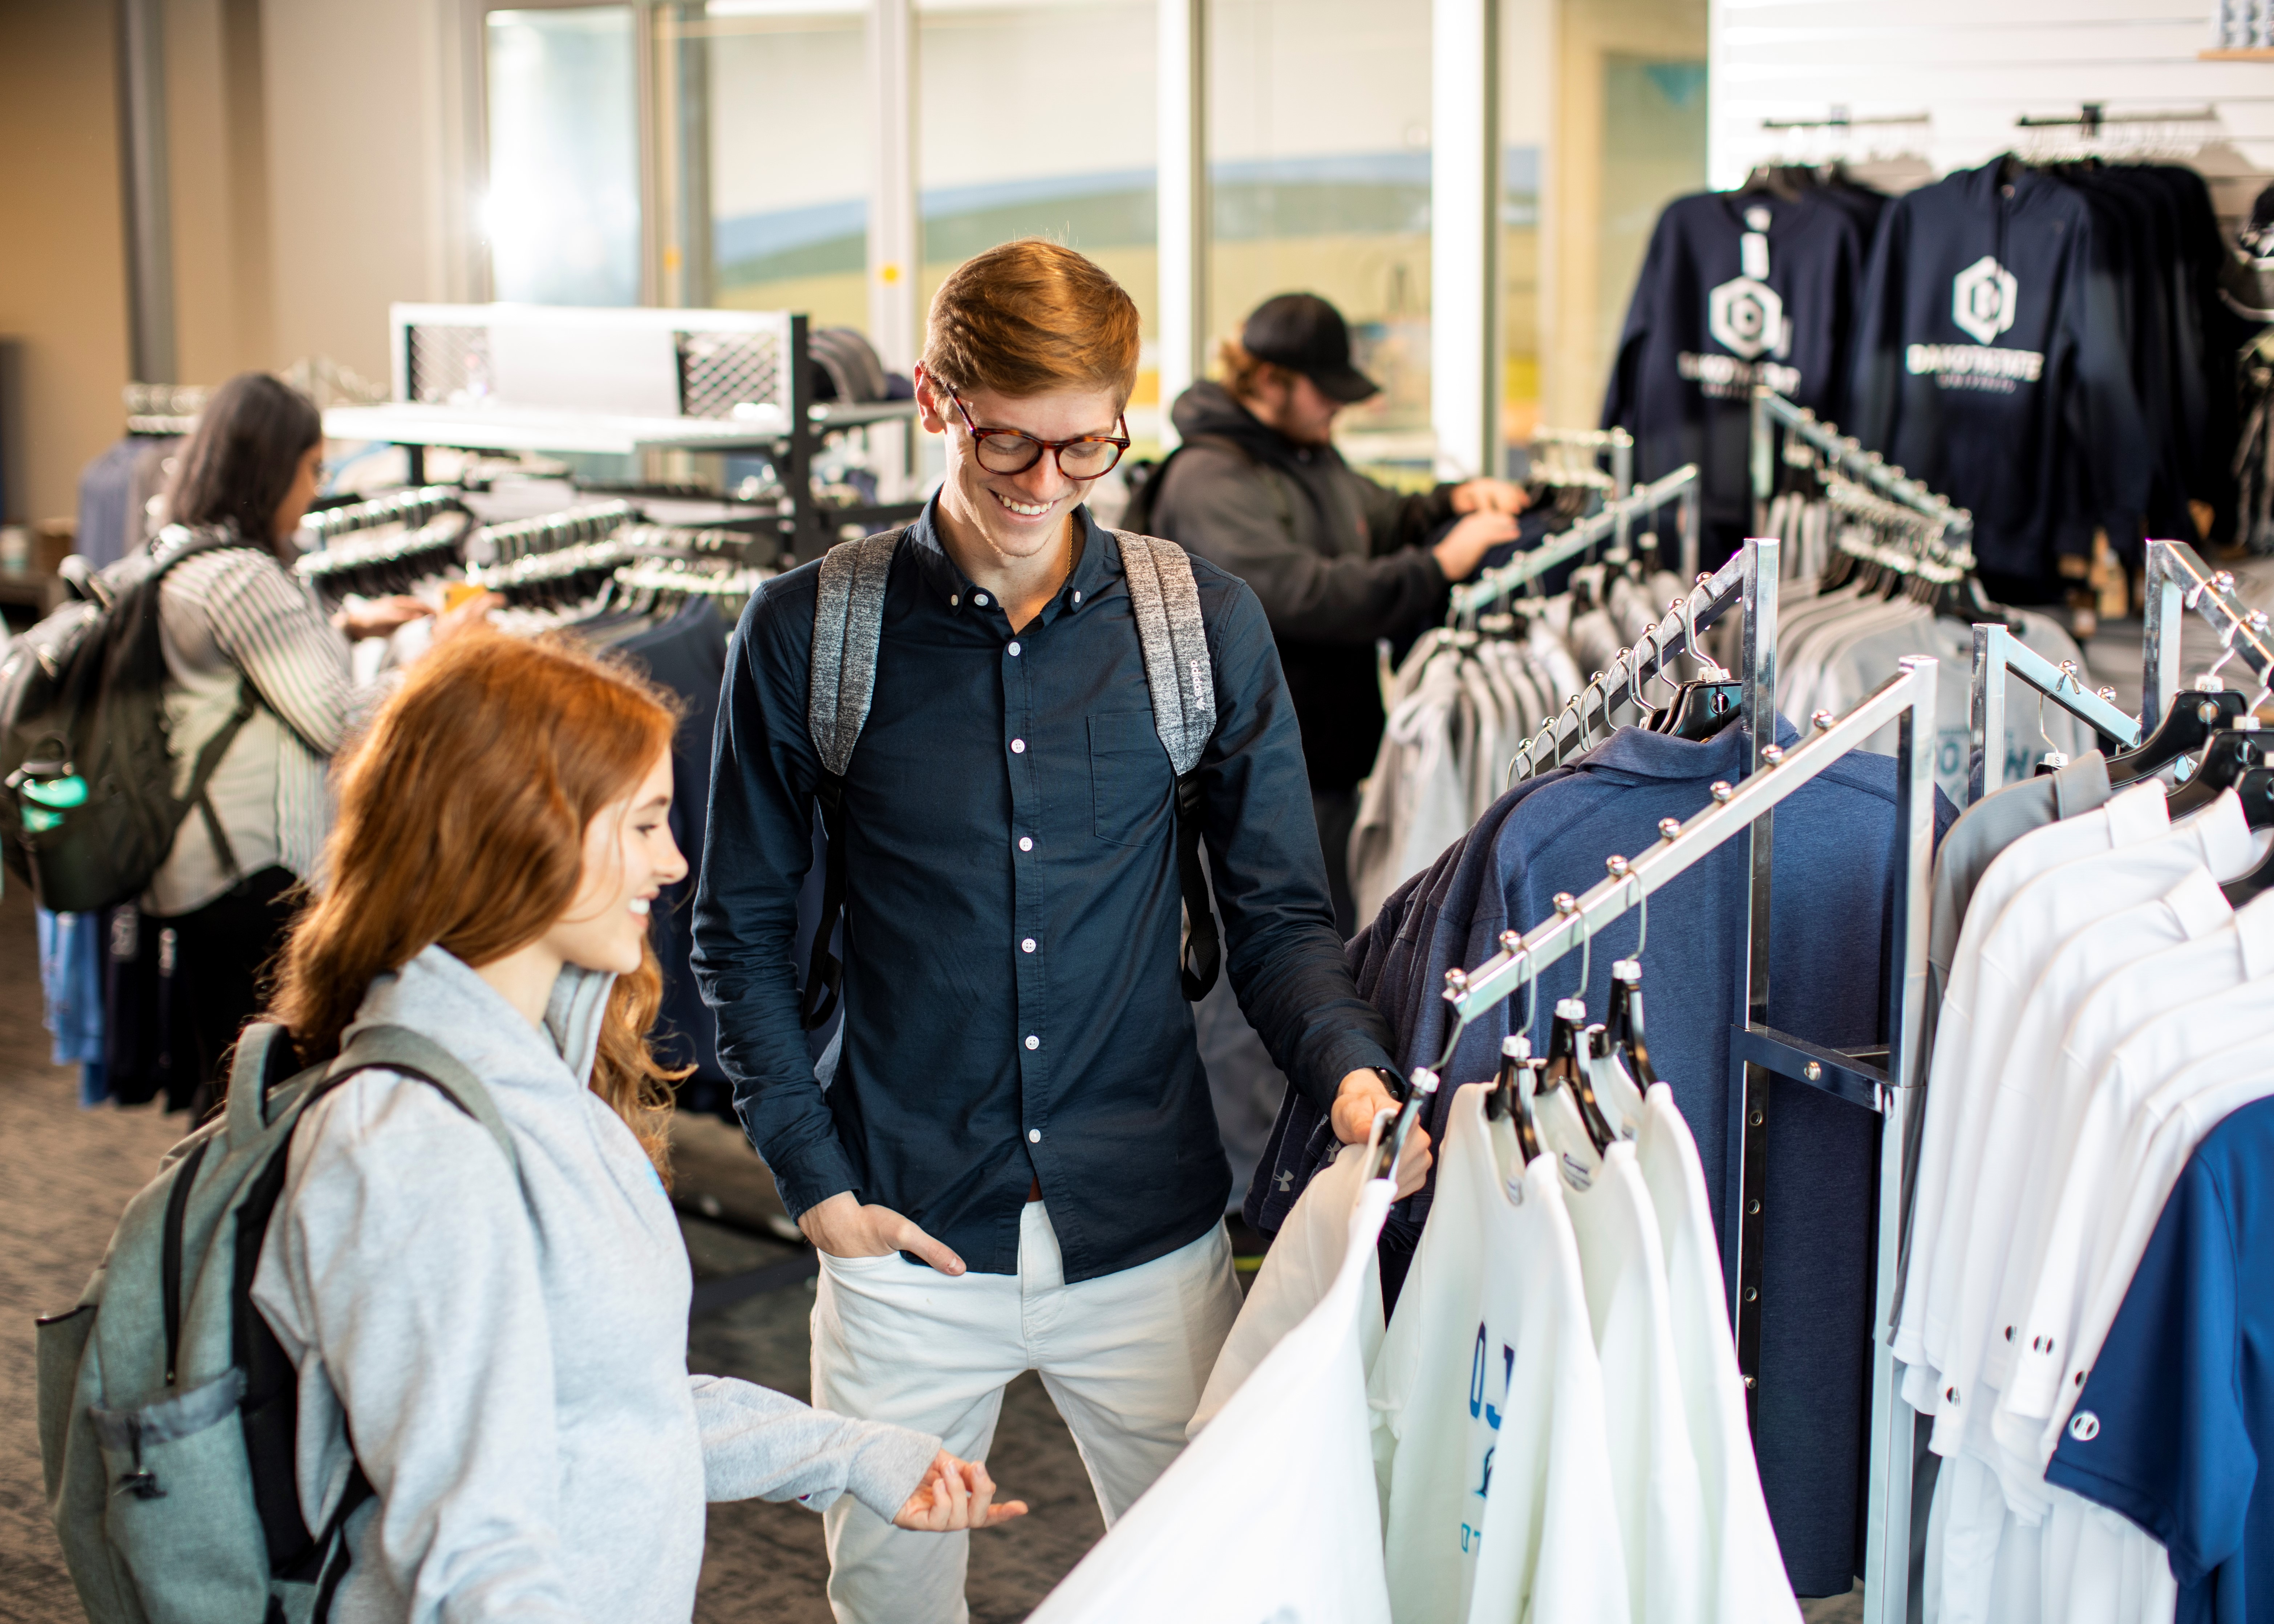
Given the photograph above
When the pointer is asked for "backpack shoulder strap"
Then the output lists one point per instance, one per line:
(848, 619)
(848, 616)
(1166, 602)
(398, 1048)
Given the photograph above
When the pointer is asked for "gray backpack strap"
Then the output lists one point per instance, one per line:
(398, 1048)
(1166, 603)
(848, 617)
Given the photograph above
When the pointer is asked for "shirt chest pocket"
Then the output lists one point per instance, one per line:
(1129, 777)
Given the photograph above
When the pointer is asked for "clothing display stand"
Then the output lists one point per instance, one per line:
(2179, 581)
(1802, 428)
(1998, 654)
(1893, 1090)
(563, 380)
(1611, 522)
(1589, 712)
(410, 508)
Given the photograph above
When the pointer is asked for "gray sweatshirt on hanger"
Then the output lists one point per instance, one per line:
(514, 1361)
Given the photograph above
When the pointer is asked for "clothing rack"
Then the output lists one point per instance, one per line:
(1611, 521)
(1772, 411)
(2091, 116)
(1748, 579)
(413, 506)
(2179, 580)
(532, 570)
(682, 575)
(502, 544)
(1894, 1090)
(1838, 118)
(439, 534)
(1592, 442)
(1998, 653)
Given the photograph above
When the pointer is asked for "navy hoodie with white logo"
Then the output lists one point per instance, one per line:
(1993, 363)
(1737, 288)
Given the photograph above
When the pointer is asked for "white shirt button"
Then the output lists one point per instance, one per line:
(1018, 746)
(1027, 946)
(1033, 1042)
(1014, 650)
(1025, 843)
(954, 600)
(1034, 1136)
(979, 598)
(1077, 598)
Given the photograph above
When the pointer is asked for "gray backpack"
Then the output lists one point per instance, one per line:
(848, 617)
(168, 1412)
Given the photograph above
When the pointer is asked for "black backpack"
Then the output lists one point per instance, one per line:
(87, 809)
(1141, 481)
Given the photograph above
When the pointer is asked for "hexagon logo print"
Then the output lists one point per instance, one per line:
(1745, 317)
(1982, 299)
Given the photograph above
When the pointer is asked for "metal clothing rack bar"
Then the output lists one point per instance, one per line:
(413, 506)
(1772, 410)
(2179, 581)
(1893, 1090)
(501, 544)
(1749, 579)
(1999, 653)
(1610, 520)
(2091, 116)
(1838, 118)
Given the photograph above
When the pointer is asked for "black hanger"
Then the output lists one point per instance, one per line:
(2227, 755)
(1624, 1023)
(1563, 1068)
(1704, 705)
(1511, 1098)
(2256, 790)
(2185, 727)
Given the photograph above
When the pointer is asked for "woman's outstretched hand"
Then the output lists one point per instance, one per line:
(955, 1494)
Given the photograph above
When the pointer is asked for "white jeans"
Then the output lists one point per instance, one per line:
(1123, 1357)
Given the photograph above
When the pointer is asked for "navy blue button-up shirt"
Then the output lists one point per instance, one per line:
(1013, 1007)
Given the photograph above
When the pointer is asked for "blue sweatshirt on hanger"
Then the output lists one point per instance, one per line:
(1737, 288)
(1993, 362)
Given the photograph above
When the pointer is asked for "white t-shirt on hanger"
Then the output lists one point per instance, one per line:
(1302, 1264)
(1489, 1432)
(1270, 1517)
(1655, 1474)
(1746, 1580)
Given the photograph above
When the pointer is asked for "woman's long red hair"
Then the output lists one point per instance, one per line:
(462, 812)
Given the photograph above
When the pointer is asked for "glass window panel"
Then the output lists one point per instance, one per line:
(563, 211)
(1525, 97)
(790, 146)
(1069, 156)
(1654, 152)
(1319, 128)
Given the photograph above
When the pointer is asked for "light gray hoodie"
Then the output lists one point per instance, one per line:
(514, 1361)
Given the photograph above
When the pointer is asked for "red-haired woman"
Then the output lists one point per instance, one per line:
(511, 1361)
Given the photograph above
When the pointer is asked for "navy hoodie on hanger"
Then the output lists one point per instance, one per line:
(1737, 288)
(1992, 364)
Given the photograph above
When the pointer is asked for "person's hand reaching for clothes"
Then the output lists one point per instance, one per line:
(953, 1495)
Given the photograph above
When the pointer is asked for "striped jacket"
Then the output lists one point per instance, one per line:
(236, 615)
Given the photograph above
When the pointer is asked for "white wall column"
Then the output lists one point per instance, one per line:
(1464, 359)
(1181, 197)
(895, 245)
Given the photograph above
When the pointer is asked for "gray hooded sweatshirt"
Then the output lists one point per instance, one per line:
(514, 1361)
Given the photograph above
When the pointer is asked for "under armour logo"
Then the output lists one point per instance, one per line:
(1286, 1182)
(2084, 1426)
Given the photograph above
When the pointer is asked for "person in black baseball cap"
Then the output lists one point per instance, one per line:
(1337, 560)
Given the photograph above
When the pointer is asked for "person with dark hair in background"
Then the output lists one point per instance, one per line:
(1337, 559)
(249, 653)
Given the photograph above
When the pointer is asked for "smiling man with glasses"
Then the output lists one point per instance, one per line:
(1014, 1164)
